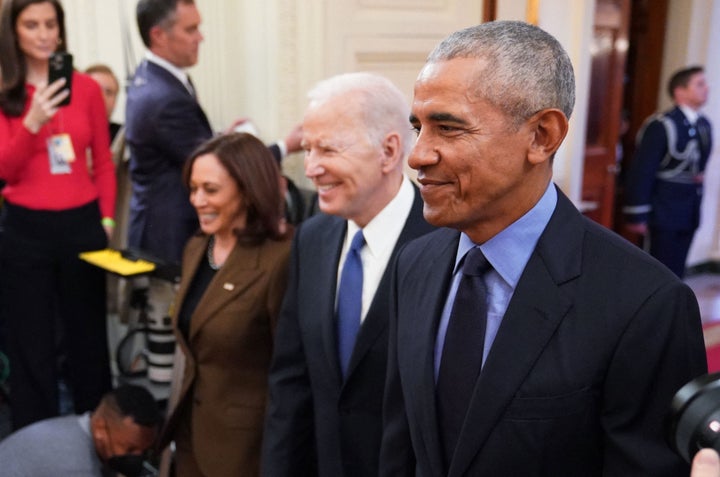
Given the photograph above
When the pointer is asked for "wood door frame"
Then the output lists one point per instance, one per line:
(648, 19)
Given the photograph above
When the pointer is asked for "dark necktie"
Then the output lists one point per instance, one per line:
(463, 350)
(349, 303)
(191, 87)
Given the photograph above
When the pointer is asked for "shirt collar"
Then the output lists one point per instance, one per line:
(509, 251)
(388, 222)
(84, 422)
(178, 73)
(691, 115)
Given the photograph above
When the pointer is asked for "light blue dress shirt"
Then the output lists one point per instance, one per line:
(508, 252)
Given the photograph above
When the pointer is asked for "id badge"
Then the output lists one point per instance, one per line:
(60, 153)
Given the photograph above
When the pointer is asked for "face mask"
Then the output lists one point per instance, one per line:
(129, 465)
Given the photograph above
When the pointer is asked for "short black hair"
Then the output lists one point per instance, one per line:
(136, 402)
(150, 13)
(681, 78)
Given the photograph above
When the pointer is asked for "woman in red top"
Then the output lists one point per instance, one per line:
(59, 201)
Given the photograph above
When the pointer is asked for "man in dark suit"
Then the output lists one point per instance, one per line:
(326, 385)
(665, 179)
(524, 338)
(164, 124)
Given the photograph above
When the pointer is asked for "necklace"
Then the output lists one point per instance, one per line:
(210, 250)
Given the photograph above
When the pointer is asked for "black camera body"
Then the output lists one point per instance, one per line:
(694, 419)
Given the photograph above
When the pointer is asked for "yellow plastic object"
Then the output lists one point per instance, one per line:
(113, 261)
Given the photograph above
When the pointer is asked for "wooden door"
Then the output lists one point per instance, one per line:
(643, 72)
(608, 50)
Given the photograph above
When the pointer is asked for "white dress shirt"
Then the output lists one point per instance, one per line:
(179, 73)
(381, 235)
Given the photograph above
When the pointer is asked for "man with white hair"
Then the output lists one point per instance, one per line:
(328, 371)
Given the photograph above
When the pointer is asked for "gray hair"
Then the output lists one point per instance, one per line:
(385, 108)
(527, 69)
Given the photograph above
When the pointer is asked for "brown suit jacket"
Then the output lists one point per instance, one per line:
(224, 385)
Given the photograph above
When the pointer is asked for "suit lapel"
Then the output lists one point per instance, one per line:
(238, 273)
(536, 309)
(376, 320)
(424, 295)
(168, 78)
(331, 240)
(175, 84)
(191, 261)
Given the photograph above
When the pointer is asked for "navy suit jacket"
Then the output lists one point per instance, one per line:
(596, 339)
(317, 424)
(164, 124)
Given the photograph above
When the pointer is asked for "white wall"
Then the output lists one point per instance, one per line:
(700, 45)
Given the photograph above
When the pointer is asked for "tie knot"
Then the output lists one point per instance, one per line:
(475, 263)
(357, 242)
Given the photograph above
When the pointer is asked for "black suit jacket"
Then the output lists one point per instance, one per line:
(596, 339)
(316, 423)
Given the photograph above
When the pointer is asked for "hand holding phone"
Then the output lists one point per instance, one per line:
(61, 66)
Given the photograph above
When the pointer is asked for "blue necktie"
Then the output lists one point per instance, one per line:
(349, 302)
(463, 350)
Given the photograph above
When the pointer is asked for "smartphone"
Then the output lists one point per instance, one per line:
(61, 66)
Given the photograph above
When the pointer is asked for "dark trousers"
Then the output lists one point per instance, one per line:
(671, 248)
(43, 285)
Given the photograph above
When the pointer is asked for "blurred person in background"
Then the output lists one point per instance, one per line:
(55, 208)
(110, 88)
(113, 438)
(664, 182)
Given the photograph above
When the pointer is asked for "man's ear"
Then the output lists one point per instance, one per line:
(157, 37)
(99, 432)
(391, 151)
(549, 129)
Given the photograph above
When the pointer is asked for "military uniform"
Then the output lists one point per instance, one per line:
(664, 183)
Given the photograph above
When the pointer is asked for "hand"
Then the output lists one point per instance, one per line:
(293, 139)
(243, 125)
(706, 464)
(44, 105)
(639, 228)
(109, 231)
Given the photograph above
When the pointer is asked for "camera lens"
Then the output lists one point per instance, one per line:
(694, 420)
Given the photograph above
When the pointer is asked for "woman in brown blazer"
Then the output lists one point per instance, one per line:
(234, 274)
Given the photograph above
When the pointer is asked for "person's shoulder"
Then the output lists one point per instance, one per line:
(81, 79)
(56, 446)
(674, 114)
(653, 128)
(84, 86)
(318, 223)
(197, 240)
(618, 256)
(150, 82)
(279, 246)
(48, 431)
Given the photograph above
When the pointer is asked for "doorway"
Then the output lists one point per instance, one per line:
(626, 63)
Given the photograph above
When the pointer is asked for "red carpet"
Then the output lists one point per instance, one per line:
(712, 345)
